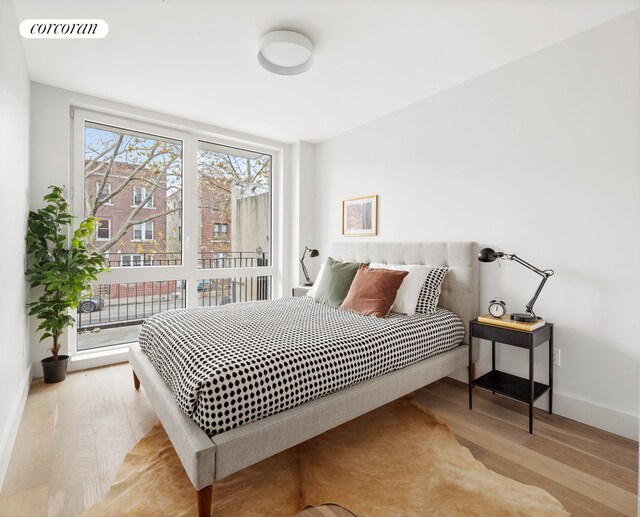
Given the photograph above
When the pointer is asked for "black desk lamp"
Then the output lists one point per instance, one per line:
(489, 255)
(312, 253)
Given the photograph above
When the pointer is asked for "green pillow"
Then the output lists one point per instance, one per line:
(335, 282)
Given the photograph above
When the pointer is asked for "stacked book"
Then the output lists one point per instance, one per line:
(507, 322)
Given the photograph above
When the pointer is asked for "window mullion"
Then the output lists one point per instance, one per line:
(190, 223)
(144, 254)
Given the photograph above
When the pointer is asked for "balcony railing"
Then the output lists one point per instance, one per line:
(206, 260)
(113, 312)
(232, 259)
(220, 291)
(113, 305)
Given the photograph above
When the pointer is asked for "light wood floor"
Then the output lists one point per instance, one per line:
(74, 436)
(592, 472)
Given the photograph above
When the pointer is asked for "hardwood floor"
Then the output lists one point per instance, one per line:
(72, 439)
(74, 436)
(592, 472)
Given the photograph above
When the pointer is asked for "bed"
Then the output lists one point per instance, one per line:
(213, 442)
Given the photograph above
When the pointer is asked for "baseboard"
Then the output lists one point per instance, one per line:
(11, 431)
(608, 419)
(94, 359)
(612, 420)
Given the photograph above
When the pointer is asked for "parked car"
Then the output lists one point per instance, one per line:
(91, 305)
(203, 285)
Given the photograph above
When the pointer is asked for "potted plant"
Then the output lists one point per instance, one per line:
(62, 265)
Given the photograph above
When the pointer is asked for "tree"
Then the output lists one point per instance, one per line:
(116, 161)
(219, 172)
(122, 160)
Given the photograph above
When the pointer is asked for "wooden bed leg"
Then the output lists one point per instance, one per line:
(204, 501)
(136, 381)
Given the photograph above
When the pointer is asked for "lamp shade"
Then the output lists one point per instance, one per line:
(313, 253)
(487, 255)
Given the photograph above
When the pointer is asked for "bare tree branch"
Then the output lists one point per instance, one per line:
(129, 222)
(212, 182)
(128, 180)
(98, 201)
(100, 155)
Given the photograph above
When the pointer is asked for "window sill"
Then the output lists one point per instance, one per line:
(96, 358)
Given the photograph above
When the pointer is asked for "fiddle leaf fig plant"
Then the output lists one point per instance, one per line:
(60, 263)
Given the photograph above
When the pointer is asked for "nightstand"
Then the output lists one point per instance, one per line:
(301, 290)
(512, 386)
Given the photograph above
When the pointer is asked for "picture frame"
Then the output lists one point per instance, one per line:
(360, 216)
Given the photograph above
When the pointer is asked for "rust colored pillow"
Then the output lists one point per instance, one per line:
(373, 291)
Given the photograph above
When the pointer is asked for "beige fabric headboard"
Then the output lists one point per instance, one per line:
(460, 290)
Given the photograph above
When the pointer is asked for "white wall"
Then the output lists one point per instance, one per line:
(302, 210)
(14, 173)
(51, 153)
(539, 158)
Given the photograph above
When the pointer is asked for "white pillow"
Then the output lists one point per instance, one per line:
(314, 288)
(409, 291)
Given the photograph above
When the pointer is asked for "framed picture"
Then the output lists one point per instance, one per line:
(360, 216)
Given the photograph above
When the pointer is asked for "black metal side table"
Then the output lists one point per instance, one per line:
(512, 386)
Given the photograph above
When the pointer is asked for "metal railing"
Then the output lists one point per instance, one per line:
(206, 260)
(103, 317)
(229, 259)
(135, 259)
(220, 291)
(119, 305)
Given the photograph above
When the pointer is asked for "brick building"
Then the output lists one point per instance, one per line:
(156, 238)
(214, 207)
(128, 234)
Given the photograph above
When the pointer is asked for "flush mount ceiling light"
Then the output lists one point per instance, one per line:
(285, 52)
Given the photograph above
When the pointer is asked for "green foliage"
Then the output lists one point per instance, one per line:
(64, 271)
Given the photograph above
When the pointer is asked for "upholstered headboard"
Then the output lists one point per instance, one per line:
(460, 290)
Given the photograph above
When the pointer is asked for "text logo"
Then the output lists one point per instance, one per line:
(64, 29)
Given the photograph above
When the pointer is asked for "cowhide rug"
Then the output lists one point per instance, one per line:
(397, 460)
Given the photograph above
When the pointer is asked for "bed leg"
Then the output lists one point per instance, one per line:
(136, 381)
(204, 501)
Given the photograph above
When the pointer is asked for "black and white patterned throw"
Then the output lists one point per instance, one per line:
(238, 363)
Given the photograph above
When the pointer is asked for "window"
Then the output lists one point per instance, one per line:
(220, 231)
(103, 231)
(220, 291)
(140, 165)
(136, 259)
(104, 193)
(234, 185)
(114, 313)
(143, 231)
(129, 175)
(140, 194)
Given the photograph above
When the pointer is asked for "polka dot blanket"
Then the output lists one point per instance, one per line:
(241, 362)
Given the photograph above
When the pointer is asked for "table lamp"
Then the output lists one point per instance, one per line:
(490, 255)
(312, 253)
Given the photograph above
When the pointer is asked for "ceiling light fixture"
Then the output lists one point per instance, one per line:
(285, 52)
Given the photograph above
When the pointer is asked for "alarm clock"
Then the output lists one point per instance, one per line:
(497, 308)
